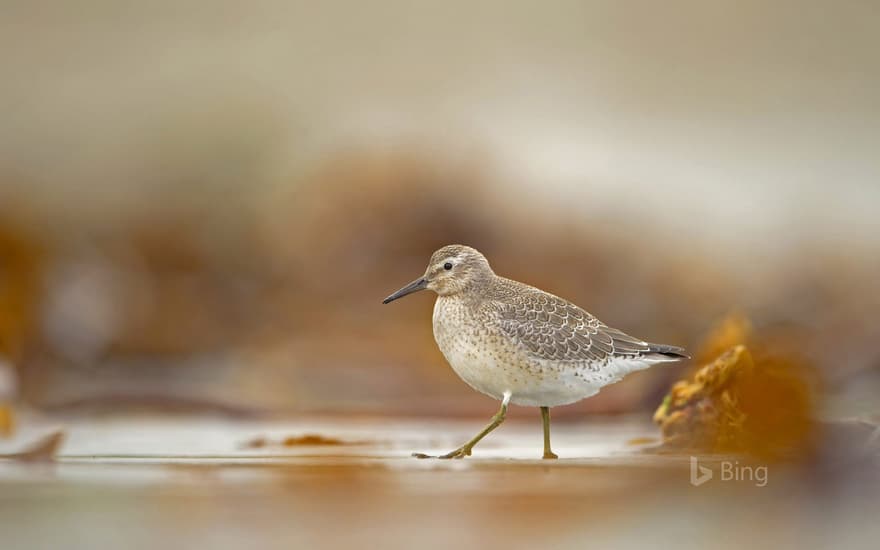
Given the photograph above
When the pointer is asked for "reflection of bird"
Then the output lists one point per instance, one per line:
(521, 345)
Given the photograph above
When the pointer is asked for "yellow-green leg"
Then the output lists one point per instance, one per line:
(465, 450)
(545, 418)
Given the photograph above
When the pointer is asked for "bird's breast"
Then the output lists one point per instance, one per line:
(455, 329)
(475, 350)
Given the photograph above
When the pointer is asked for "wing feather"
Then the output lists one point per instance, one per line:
(551, 328)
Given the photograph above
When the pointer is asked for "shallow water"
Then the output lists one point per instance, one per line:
(143, 482)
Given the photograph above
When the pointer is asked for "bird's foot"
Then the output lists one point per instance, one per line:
(550, 455)
(461, 452)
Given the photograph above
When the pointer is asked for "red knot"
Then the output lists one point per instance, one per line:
(521, 345)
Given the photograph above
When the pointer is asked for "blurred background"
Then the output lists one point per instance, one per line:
(202, 204)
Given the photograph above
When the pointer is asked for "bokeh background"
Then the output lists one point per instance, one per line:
(203, 203)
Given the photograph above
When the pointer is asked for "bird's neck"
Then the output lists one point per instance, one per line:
(474, 292)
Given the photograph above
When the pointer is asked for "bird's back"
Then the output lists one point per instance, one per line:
(554, 329)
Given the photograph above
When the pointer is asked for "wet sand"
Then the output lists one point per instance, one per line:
(143, 482)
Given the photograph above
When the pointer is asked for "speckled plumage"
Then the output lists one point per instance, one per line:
(505, 337)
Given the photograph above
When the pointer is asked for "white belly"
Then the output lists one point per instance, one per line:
(492, 364)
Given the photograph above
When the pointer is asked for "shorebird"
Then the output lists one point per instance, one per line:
(521, 345)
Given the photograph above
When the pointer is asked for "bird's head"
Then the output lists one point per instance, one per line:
(452, 269)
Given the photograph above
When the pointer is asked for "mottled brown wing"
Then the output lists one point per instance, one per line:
(551, 328)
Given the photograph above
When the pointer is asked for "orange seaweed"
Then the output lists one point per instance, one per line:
(748, 399)
(311, 439)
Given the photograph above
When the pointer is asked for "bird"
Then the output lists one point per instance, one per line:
(521, 345)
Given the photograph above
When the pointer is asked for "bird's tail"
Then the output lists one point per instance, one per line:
(663, 353)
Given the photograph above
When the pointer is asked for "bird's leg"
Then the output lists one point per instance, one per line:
(545, 418)
(465, 450)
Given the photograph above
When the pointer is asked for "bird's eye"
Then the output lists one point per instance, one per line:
(447, 266)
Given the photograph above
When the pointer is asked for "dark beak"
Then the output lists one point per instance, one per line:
(415, 286)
